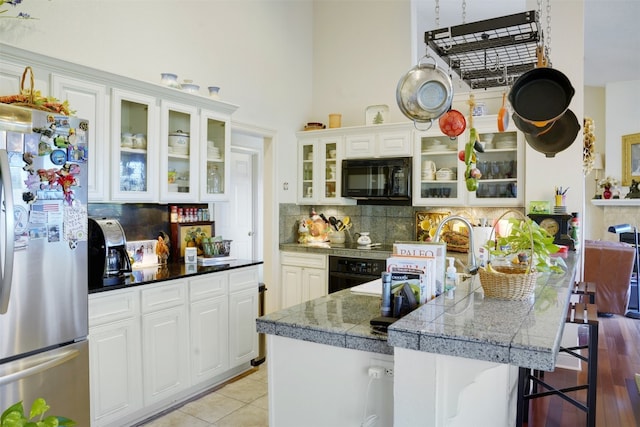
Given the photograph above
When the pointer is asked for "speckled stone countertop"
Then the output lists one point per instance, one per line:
(349, 250)
(461, 323)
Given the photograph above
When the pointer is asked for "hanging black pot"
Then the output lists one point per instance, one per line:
(541, 95)
(530, 128)
(558, 137)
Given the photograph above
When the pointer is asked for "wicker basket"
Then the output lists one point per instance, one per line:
(31, 98)
(515, 282)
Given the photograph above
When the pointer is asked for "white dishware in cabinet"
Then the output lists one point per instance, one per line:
(178, 182)
(134, 171)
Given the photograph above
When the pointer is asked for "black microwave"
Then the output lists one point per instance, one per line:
(385, 179)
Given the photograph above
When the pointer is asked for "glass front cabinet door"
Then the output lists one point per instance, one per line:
(307, 172)
(179, 151)
(214, 156)
(436, 169)
(135, 144)
(501, 165)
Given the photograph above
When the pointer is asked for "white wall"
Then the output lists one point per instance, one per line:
(622, 112)
(595, 107)
(361, 49)
(258, 52)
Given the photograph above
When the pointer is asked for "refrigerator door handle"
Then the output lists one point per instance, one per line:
(41, 366)
(6, 275)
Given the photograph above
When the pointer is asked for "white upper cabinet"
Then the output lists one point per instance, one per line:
(130, 155)
(394, 140)
(320, 169)
(215, 150)
(439, 174)
(90, 102)
(134, 171)
(179, 152)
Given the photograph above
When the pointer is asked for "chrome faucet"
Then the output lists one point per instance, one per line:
(472, 268)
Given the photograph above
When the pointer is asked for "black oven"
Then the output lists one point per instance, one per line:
(346, 272)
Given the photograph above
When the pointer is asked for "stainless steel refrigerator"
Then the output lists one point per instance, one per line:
(43, 262)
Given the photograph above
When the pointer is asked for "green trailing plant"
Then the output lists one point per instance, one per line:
(14, 416)
(516, 247)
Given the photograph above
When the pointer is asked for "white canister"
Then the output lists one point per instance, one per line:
(190, 255)
(179, 139)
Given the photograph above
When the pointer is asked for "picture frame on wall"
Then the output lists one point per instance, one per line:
(630, 158)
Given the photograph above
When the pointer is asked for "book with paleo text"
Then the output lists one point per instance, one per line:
(426, 250)
(418, 273)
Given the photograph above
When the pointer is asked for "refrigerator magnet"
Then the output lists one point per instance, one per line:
(58, 157)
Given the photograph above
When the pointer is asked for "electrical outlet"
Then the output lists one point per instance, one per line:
(385, 364)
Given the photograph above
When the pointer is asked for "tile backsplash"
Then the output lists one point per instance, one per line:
(386, 224)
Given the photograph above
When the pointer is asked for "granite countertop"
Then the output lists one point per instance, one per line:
(460, 323)
(349, 250)
(170, 271)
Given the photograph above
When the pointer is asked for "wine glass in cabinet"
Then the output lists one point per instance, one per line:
(135, 147)
(502, 168)
(214, 158)
(179, 150)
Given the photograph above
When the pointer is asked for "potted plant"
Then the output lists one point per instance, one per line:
(607, 184)
(515, 248)
(517, 258)
(14, 416)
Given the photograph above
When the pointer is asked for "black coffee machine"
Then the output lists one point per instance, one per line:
(109, 262)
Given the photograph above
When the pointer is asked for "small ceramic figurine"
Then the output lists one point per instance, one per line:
(303, 231)
(634, 192)
(162, 247)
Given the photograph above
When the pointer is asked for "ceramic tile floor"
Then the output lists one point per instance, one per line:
(242, 402)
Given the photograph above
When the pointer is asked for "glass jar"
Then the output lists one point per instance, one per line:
(213, 180)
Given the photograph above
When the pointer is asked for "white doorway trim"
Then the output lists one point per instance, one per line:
(266, 209)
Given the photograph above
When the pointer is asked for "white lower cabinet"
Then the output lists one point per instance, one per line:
(157, 344)
(209, 317)
(303, 277)
(165, 340)
(115, 359)
(243, 309)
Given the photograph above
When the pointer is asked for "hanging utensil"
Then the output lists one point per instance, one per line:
(503, 114)
(452, 123)
(334, 222)
(424, 93)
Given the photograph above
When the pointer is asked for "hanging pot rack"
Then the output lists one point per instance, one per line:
(490, 53)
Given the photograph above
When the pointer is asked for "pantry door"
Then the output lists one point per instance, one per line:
(238, 216)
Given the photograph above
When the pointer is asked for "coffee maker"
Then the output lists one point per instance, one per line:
(109, 262)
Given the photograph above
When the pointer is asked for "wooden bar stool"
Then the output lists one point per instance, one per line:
(529, 382)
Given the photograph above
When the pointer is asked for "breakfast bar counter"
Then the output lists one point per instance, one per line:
(456, 357)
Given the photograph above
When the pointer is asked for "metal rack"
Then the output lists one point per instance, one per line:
(489, 53)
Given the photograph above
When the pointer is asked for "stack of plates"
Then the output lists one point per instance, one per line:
(559, 209)
(213, 152)
(179, 150)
